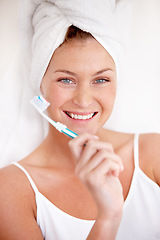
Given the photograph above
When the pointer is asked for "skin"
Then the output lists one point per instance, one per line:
(70, 174)
(80, 91)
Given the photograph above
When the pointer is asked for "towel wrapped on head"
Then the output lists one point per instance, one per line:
(48, 22)
(44, 24)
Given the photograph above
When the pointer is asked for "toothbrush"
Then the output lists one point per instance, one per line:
(41, 104)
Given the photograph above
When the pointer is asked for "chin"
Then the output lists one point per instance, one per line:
(86, 130)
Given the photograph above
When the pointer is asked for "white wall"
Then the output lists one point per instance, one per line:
(139, 100)
(8, 33)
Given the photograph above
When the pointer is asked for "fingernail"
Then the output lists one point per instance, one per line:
(96, 137)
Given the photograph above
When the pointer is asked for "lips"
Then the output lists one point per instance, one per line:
(81, 116)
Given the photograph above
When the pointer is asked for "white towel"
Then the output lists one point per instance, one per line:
(46, 23)
(43, 27)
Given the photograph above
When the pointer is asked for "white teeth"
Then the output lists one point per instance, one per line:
(81, 117)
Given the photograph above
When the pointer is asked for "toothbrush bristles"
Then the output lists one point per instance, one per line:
(40, 103)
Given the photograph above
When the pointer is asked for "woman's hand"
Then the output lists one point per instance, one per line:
(98, 167)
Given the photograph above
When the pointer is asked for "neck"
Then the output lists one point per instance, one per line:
(117, 139)
(56, 149)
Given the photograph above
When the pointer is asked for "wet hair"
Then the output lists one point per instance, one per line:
(76, 33)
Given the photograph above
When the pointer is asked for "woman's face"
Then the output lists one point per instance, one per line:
(80, 84)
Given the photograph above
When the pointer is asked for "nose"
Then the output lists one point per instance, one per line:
(83, 96)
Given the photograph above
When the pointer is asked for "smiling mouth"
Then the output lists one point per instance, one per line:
(81, 117)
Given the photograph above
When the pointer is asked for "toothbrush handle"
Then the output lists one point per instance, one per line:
(60, 127)
(69, 133)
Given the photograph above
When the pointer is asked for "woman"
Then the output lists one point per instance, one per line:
(75, 189)
(84, 180)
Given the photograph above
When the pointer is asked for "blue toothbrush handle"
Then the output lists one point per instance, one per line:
(69, 133)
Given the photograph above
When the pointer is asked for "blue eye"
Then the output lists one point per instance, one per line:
(66, 81)
(101, 80)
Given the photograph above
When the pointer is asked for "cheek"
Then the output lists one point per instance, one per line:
(107, 104)
(108, 99)
(57, 98)
(51, 92)
(54, 96)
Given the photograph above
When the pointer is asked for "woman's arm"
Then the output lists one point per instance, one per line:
(98, 167)
(17, 218)
(104, 229)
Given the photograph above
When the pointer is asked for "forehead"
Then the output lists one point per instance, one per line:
(86, 53)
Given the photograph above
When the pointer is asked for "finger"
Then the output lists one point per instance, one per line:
(100, 175)
(107, 167)
(92, 148)
(81, 139)
(97, 159)
(77, 144)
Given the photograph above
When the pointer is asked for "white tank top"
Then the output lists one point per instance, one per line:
(141, 212)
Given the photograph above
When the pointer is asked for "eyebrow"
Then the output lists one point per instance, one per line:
(74, 74)
(65, 71)
(102, 71)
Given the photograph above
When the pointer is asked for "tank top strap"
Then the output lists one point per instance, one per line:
(28, 176)
(136, 150)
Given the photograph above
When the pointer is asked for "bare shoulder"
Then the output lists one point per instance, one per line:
(14, 183)
(149, 145)
(17, 205)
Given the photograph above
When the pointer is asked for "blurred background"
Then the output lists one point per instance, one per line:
(9, 41)
(138, 102)
(138, 105)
